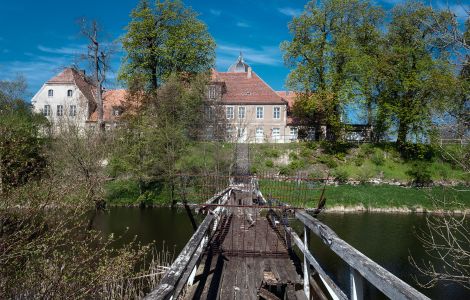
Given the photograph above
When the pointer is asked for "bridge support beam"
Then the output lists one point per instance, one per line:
(306, 265)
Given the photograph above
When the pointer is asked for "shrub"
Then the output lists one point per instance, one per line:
(378, 158)
(327, 160)
(296, 165)
(269, 163)
(271, 152)
(285, 170)
(293, 156)
(359, 160)
(311, 145)
(306, 152)
(253, 169)
(420, 174)
(341, 175)
(411, 151)
(364, 174)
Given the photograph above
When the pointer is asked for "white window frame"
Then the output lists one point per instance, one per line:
(259, 133)
(69, 93)
(60, 110)
(72, 110)
(260, 112)
(278, 117)
(278, 132)
(240, 110)
(232, 112)
(50, 93)
(294, 132)
(212, 92)
(47, 110)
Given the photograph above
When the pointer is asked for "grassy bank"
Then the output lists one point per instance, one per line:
(126, 192)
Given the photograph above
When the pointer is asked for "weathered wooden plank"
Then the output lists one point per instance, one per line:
(386, 282)
(333, 289)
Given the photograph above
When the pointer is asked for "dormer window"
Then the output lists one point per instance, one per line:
(117, 111)
(69, 93)
(50, 93)
(212, 92)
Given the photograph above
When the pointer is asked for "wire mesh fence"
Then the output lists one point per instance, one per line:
(275, 190)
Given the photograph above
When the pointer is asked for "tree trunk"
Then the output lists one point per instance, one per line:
(402, 133)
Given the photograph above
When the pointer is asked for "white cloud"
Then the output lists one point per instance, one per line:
(289, 11)
(70, 50)
(266, 55)
(243, 24)
(215, 12)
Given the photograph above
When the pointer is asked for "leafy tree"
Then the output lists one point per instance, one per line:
(164, 39)
(333, 44)
(418, 79)
(21, 146)
(156, 138)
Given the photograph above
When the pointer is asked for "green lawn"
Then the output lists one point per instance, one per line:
(369, 196)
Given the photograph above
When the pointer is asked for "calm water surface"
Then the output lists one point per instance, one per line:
(388, 239)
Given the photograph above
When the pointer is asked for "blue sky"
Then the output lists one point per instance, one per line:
(39, 38)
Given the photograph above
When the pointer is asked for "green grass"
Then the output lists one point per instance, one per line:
(369, 196)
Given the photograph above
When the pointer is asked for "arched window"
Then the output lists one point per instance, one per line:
(69, 93)
(50, 93)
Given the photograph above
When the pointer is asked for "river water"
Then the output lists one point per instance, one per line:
(388, 239)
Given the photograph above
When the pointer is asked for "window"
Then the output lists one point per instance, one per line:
(69, 93)
(60, 110)
(293, 133)
(73, 110)
(212, 92)
(259, 132)
(50, 93)
(241, 132)
(241, 112)
(229, 112)
(116, 111)
(47, 110)
(208, 112)
(259, 112)
(277, 112)
(276, 133)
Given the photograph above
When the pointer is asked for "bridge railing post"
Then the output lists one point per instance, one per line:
(357, 284)
(306, 265)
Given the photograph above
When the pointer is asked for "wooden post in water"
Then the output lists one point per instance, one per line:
(306, 265)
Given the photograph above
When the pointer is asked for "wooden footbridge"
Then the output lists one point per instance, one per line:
(245, 248)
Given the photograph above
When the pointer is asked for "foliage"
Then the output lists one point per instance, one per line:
(161, 40)
(378, 158)
(420, 174)
(22, 149)
(269, 163)
(333, 53)
(413, 151)
(365, 173)
(341, 175)
(327, 160)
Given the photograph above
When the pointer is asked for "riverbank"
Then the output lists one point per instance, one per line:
(340, 198)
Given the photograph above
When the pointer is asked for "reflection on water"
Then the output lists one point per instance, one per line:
(387, 239)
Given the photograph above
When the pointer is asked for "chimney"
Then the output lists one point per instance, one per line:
(249, 73)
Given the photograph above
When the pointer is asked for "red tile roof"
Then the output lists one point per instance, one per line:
(111, 99)
(240, 89)
(72, 76)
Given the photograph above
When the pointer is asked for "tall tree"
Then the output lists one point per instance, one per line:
(418, 79)
(329, 39)
(163, 39)
(98, 56)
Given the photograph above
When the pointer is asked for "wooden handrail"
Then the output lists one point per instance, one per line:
(386, 282)
(178, 274)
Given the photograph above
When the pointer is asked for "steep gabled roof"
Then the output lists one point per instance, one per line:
(246, 88)
(72, 76)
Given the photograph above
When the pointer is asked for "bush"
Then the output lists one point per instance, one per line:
(311, 145)
(306, 152)
(293, 156)
(327, 160)
(410, 151)
(364, 174)
(285, 170)
(341, 175)
(271, 152)
(296, 165)
(269, 163)
(359, 160)
(420, 174)
(378, 158)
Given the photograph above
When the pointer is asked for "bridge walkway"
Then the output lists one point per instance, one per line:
(247, 258)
